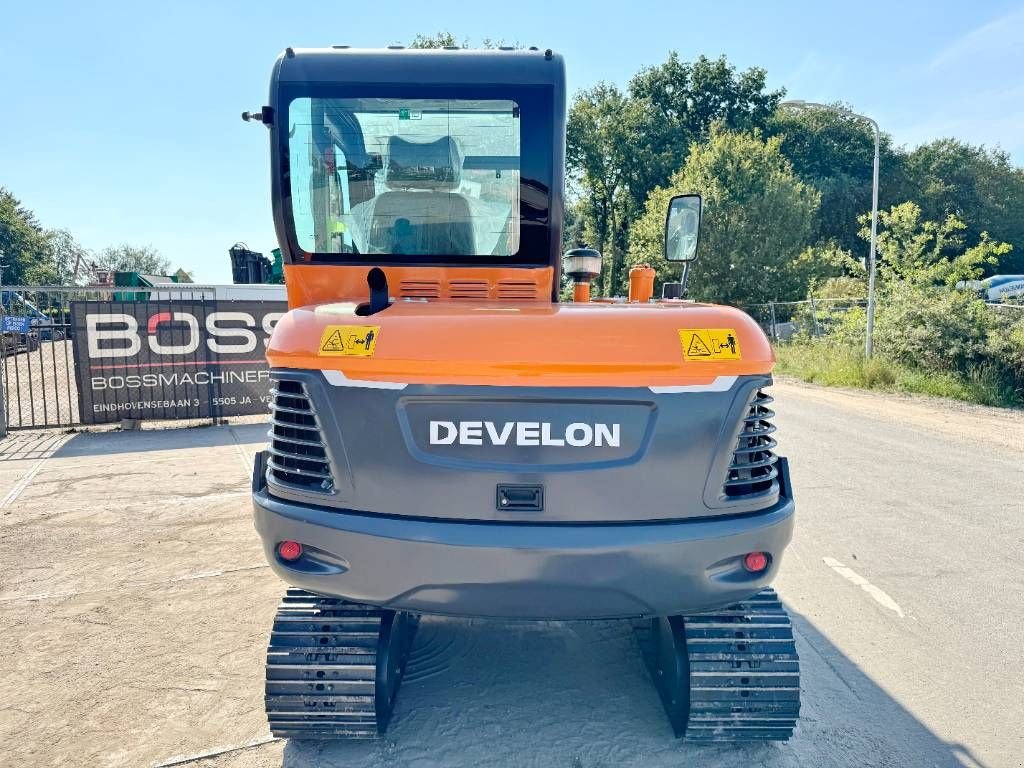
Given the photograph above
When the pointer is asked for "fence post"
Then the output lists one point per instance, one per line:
(814, 319)
(775, 328)
(3, 391)
(3, 373)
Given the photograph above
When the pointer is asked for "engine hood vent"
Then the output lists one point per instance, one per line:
(517, 290)
(469, 289)
(753, 471)
(298, 455)
(419, 289)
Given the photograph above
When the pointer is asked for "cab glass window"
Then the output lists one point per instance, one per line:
(422, 177)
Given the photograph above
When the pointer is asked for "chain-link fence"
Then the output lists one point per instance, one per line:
(997, 306)
(782, 320)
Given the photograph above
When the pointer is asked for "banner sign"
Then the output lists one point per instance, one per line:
(172, 359)
(15, 324)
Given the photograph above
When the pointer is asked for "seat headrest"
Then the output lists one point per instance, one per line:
(423, 165)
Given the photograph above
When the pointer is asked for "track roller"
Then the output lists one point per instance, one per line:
(334, 667)
(728, 676)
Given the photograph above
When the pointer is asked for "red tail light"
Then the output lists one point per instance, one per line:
(755, 562)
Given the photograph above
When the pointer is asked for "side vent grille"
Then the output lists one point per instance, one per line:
(517, 290)
(419, 289)
(469, 289)
(298, 456)
(753, 471)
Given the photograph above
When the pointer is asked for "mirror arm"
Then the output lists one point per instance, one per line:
(684, 278)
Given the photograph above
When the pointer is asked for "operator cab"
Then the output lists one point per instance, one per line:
(440, 159)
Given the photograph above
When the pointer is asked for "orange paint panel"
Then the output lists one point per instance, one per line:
(523, 343)
(319, 283)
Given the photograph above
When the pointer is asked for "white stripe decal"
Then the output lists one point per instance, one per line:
(720, 384)
(339, 379)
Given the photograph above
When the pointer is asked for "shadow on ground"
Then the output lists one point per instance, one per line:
(577, 694)
(116, 442)
(31, 445)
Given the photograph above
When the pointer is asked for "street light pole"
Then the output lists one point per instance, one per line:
(868, 343)
(799, 104)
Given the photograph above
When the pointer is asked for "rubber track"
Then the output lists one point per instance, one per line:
(322, 669)
(743, 673)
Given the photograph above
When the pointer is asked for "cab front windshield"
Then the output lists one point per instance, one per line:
(412, 178)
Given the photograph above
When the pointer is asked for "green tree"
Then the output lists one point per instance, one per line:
(446, 39)
(442, 39)
(981, 186)
(757, 219)
(23, 244)
(677, 103)
(824, 267)
(621, 145)
(928, 253)
(835, 154)
(133, 258)
(67, 258)
(596, 154)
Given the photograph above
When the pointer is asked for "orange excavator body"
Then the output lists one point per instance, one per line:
(505, 342)
(448, 437)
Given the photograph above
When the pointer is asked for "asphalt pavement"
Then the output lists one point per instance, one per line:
(135, 603)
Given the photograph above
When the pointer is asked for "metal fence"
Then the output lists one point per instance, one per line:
(782, 320)
(36, 337)
(998, 306)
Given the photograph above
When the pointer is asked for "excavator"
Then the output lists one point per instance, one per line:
(449, 438)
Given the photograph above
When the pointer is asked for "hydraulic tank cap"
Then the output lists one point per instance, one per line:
(641, 283)
(582, 265)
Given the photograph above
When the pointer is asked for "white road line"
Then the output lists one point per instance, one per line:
(183, 759)
(855, 578)
(21, 485)
(242, 453)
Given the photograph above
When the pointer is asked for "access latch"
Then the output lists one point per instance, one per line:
(520, 498)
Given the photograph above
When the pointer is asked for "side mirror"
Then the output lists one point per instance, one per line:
(682, 228)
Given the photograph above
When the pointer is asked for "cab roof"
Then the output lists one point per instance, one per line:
(530, 66)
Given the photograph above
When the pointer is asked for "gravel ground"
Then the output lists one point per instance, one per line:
(135, 606)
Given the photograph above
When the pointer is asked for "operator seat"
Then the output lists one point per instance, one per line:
(422, 214)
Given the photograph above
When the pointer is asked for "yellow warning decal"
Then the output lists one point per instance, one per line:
(709, 344)
(349, 340)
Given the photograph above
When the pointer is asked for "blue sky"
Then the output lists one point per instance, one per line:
(120, 122)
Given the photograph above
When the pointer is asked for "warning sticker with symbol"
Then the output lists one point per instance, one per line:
(349, 340)
(709, 344)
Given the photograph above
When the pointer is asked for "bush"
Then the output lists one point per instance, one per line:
(932, 328)
(824, 362)
(928, 340)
